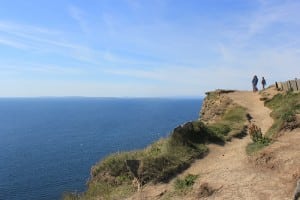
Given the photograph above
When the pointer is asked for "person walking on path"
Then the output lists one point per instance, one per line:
(254, 83)
(263, 82)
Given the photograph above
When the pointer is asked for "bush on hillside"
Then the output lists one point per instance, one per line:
(162, 160)
(259, 141)
(285, 108)
(232, 124)
(159, 162)
(183, 185)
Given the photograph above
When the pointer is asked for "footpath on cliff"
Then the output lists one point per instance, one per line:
(227, 172)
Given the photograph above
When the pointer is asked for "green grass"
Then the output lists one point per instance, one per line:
(255, 147)
(284, 109)
(182, 186)
(161, 160)
(232, 124)
(259, 142)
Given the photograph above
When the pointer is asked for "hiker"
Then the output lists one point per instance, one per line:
(263, 82)
(254, 83)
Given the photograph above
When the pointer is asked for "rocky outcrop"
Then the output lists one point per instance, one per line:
(214, 106)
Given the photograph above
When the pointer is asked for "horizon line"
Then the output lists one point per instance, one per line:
(104, 97)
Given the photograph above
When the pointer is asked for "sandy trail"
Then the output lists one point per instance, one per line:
(227, 167)
(229, 171)
(255, 107)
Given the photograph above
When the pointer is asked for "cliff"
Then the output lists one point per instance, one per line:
(215, 105)
(207, 159)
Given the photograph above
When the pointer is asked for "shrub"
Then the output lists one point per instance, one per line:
(114, 165)
(182, 185)
(284, 107)
(220, 129)
(158, 163)
(255, 133)
(235, 114)
(255, 147)
(259, 141)
(289, 116)
(232, 124)
(162, 160)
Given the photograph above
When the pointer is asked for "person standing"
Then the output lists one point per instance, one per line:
(263, 82)
(254, 83)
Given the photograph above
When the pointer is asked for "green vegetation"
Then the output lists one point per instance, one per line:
(71, 196)
(164, 159)
(259, 141)
(284, 107)
(255, 147)
(182, 186)
(215, 94)
(161, 161)
(232, 124)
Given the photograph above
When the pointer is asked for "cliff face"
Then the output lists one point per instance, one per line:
(215, 105)
(271, 173)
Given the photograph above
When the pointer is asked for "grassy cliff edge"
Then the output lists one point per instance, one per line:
(161, 161)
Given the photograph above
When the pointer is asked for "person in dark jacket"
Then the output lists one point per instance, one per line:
(263, 83)
(254, 83)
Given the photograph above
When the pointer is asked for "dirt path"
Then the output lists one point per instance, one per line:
(228, 171)
(255, 107)
(227, 167)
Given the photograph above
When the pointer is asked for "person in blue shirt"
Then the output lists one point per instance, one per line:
(254, 83)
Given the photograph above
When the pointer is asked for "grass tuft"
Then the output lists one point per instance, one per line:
(182, 186)
(232, 124)
(259, 141)
(284, 107)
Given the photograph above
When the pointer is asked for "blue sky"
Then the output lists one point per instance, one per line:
(145, 48)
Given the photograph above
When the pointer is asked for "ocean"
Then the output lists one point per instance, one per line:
(48, 145)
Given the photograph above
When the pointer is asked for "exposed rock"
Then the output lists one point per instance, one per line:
(214, 106)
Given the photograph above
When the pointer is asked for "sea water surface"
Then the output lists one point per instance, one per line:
(48, 145)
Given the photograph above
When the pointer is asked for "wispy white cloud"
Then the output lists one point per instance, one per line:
(38, 39)
(79, 16)
(272, 17)
(162, 56)
(14, 44)
(9, 26)
(40, 70)
(189, 77)
(33, 35)
(265, 42)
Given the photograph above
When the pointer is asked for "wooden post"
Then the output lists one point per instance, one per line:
(289, 85)
(133, 166)
(297, 84)
(294, 85)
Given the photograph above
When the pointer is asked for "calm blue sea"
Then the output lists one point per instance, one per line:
(48, 145)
